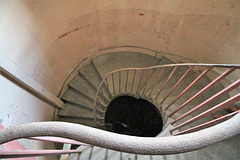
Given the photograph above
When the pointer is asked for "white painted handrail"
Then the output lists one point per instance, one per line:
(20, 78)
(124, 143)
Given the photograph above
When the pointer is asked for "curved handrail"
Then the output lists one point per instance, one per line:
(210, 66)
(124, 143)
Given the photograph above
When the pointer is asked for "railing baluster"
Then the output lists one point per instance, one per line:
(101, 92)
(148, 78)
(140, 81)
(217, 95)
(100, 105)
(208, 124)
(133, 80)
(159, 75)
(113, 83)
(106, 80)
(65, 147)
(98, 101)
(164, 85)
(219, 78)
(126, 81)
(135, 157)
(179, 81)
(119, 89)
(216, 108)
(96, 112)
(189, 86)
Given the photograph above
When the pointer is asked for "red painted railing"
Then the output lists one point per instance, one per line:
(151, 82)
(14, 153)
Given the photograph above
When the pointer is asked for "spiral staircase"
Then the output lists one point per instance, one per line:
(189, 97)
(155, 84)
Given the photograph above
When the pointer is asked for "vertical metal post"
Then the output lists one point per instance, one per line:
(65, 147)
(164, 85)
(133, 80)
(159, 75)
(113, 83)
(140, 82)
(148, 78)
(119, 82)
(126, 81)
(179, 81)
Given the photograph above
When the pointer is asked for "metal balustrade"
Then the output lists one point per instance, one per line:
(141, 86)
(34, 153)
(149, 82)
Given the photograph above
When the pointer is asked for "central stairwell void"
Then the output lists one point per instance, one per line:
(153, 105)
(131, 116)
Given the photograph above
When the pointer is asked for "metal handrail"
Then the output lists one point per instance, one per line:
(124, 143)
(231, 67)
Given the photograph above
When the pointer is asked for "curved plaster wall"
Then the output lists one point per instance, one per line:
(47, 39)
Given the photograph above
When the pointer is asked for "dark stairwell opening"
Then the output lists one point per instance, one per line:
(131, 116)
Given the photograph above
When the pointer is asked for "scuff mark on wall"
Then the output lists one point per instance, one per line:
(65, 34)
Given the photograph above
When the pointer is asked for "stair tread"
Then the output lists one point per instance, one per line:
(75, 110)
(229, 147)
(113, 155)
(80, 83)
(98, 153)
(83, 121)
(109, 62)
(91, 73)
(77, 97)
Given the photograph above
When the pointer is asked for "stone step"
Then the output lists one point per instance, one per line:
(81, 83)
(90, 72)
(74, 96)
(228, 149)
(109, 62)
(75, 110)
(98, 153)
(83, 121)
